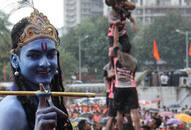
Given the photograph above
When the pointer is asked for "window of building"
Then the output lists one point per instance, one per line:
(180, 2)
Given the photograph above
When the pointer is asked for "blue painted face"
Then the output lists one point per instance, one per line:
(38, 61)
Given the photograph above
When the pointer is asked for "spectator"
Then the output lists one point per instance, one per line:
(84, 125)
(164, 79)
(153, 124)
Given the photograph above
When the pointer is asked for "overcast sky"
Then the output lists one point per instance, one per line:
(53, 9)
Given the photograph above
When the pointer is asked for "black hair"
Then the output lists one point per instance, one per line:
(17, 31)
(158, 121)
(113, 2)
(30, 104)
(81, 124)
(110, 2)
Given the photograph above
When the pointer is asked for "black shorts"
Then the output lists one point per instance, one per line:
(107, 99)
(112, 111)
(124, 42)
(125, 99)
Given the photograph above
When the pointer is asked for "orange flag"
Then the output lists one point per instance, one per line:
(156, 54)
(189, 51)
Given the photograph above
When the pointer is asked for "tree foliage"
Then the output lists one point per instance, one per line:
(93, 48)
(4, 37)
(67, 62)
(171, 44)
(5, 44)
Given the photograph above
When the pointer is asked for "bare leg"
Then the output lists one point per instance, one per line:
(120, 120)
(135, 119)
(109, 123)
(116, 36)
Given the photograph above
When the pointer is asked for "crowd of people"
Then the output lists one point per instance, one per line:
(164, 118)
(167, 78)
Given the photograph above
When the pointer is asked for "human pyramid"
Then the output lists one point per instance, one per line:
(119, 73)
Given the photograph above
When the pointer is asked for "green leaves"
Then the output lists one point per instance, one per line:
(5, 43)
(4, 37)
(93, 48)
(171, 44)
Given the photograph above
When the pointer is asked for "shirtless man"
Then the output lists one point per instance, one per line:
(35, 64)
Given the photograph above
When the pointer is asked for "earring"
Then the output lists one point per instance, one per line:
(56, 71)
(16, 73)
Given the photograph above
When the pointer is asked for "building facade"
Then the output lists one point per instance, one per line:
(77, 10)
(146, 10)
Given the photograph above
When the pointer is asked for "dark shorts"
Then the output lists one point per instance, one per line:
(126, 99)
(107, 99)
(124, 42)
(112, 111)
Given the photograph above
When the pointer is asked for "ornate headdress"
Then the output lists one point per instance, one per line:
(39, 26)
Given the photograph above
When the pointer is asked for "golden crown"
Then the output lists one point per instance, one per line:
(39, 26)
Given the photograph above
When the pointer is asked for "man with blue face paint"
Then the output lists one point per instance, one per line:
(35, 64)
(38, 61)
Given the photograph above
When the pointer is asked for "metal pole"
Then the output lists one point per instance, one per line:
(80, 75)
(143, 12)
(80, 56)
(42, 93)
(187, 60)
(186, 34)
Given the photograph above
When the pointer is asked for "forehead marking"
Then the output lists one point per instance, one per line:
(44, 46)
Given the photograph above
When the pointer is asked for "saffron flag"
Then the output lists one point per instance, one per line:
(189, 51)
(156, 54)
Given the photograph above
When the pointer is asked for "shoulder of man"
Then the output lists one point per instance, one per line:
(12, 115)
(106, 67)
(127, 60)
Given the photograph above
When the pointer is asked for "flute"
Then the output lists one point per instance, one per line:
(47, 93)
